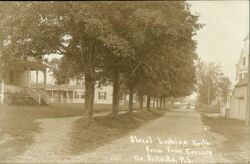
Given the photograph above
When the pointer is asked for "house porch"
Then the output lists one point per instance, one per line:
(16, 77)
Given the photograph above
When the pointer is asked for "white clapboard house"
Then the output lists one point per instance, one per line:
(238, 103)
(74, 91)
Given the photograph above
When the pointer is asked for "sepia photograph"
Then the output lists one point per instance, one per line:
(125, 82)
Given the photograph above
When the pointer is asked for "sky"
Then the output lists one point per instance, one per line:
(221, 39)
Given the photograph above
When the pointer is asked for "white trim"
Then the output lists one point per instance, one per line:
(52, 96)
(37, 78)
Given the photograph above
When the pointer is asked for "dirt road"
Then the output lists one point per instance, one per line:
(146, 145)
(177, 137)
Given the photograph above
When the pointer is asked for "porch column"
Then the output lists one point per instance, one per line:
(44, 78)
(28, 77)
(67, 96)
(153, 99)
(36, 79)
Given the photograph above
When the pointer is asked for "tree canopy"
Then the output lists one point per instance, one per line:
(212, 83)
(146, 46)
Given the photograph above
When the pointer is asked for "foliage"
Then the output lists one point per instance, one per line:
(212, 82)
(146, 45)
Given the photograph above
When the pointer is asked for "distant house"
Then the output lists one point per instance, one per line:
(74, 92)
(238, 103)
(15, 77)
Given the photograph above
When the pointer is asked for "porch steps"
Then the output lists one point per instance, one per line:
(22, 100)
(38, 95)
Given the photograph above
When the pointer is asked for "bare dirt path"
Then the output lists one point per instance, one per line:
(51, 143)
(186, 140)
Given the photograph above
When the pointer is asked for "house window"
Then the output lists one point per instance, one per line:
(79, 94)
(11, 76)
(244, 61)
(102, 95)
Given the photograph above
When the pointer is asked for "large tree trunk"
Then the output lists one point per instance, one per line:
(116, 94)
(148, 102)
(141, 101)
(164, 103)
(87, 91)
(153, 102)
(89, 86)
(157, 103)
(131, 98)
(89, 99)
(171, 102)
(161, 103)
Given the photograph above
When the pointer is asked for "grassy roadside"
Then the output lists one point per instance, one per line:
(237, 146)
(106, 129)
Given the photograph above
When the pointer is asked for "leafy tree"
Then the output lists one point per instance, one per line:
(76, 30)
(142, 44)
(62, 69)
(92, 41)
(170, 55)
(212, 82)
(147, 27)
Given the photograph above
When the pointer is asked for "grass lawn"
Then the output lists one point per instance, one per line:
(237, 146)
(18, 126)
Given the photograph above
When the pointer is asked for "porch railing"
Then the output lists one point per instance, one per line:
(34, 95)
(43, 94)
